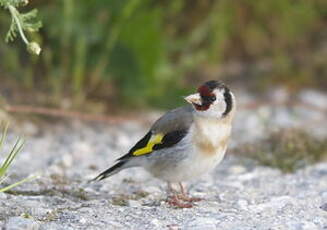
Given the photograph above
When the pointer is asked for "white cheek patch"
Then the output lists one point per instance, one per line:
(217, 108)
(219, 96)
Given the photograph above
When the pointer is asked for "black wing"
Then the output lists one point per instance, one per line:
(167, 131)
(168, 140)
(171, 139)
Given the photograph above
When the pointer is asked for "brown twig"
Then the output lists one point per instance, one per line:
(63, 113)
(118, 119)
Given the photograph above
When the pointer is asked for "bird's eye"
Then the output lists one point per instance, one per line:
(209, 98)
(212, 98)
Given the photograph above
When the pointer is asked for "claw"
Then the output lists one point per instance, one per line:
(181, 200)
(176, 202)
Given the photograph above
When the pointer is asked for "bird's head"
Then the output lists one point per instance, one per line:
(213, 99)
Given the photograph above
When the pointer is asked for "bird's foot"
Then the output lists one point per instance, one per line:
(187, 198)
(177, 202)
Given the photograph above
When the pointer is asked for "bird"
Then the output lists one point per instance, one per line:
(185, 142)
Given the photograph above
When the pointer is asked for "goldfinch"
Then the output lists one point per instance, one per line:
(185, 142)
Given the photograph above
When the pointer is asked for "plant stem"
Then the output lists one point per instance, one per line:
(13, 13)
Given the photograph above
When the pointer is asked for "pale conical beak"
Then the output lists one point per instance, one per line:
(194, 99)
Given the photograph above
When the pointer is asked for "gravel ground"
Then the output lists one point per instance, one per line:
(238, 195)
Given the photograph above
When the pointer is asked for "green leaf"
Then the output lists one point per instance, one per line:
(21, 22)
(9, 159)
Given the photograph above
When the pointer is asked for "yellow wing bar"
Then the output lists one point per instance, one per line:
(155, 139)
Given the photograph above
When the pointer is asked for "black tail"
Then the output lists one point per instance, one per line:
(110, 171)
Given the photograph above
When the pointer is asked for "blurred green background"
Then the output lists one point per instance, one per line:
(148, 53)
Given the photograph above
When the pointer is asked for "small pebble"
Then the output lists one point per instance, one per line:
(324, 207)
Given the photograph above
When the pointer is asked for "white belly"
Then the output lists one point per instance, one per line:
(196, 166)
(192, 167)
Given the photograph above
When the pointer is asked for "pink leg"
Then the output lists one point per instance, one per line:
(174, 200)
(183, 196)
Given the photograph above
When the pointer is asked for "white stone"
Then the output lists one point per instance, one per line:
(202, 223)
(237, 169)
(243, 204)
(314, 97)
(20, 223)
(134, 203)
(83, 220)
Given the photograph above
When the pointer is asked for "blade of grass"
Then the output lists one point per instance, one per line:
(9, 159)
(17, 183)
(4, 134)
(13, 153)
